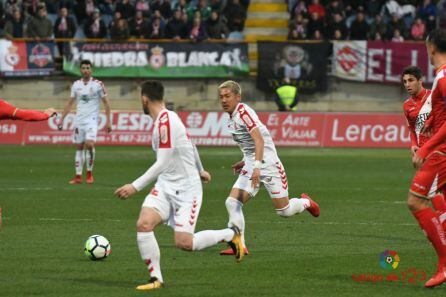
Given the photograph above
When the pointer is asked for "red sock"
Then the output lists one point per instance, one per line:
(439, 203)
(430, 223)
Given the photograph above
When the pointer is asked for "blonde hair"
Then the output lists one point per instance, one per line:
(231, 85)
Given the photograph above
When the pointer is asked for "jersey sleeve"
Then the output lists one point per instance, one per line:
(247, 117)
(73, 92)
(102, 91)
(7, 110)
(411, 127)
(165, 131)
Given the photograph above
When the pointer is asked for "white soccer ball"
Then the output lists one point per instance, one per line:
(97, 247)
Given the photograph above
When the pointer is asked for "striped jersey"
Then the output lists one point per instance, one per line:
(417, 110)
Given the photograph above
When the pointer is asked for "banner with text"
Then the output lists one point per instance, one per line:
(382, 61)
(20, 58)
(209, 128)
(167, 60)
(304, 64)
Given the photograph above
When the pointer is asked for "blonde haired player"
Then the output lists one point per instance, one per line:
(176, 197)
(260, 163)
(88, 92)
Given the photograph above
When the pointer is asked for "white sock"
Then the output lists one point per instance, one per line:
(296, 205)
(89, 157)
(207, 238)
(150, 253)
(79, 161)
(236, 217)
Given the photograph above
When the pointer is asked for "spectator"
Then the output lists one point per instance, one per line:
(164, 8)
(373, 7)
(418, 30)
(377, 36)
(236, 15)
(397, 36)
(176, 28)
(204, 9)
(138, 26)
(359, 28)
(337, 24)
(297, 28)
(427, 12)
(300, 8)
(64, 27)
(40, 26)
(156, 30)
(316, 7)
(116, 17)
(197, 31)
(143, 6)
(126, 9)
(315, 23)
(120, 30)
(396, 23)
(181, 6)
(335, 8)
(215, 27)
(391, 8)
(107, 7)
(338, 35)
(15, 27)
(217, 5)
(317, 35)
(84, 10)
(378, 26)
(95, 27)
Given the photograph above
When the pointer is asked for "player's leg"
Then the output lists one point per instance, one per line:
(78, 140)
(427, 180)
(155, 210)
(90, 139)
(276, 183)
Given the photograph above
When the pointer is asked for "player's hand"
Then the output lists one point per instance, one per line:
(417, 161)
(414, 149)
(50, 112)
(205, 176)
(125, 191)
(237, 167)
(255, 178)
(109, 128)
(60, 124)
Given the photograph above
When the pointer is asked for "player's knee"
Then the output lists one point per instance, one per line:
(285, 212)
(89, 145)
(233, 204)
(184, 242)
(415, 203)
(143, 225)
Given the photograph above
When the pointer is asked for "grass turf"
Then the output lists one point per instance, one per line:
(362, 196)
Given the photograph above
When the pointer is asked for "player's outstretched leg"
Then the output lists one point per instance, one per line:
(298, 205)
(208, 238)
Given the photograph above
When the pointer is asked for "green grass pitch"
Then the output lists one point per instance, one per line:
(362, 196)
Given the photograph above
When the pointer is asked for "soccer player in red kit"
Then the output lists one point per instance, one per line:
(430, 159)
(416, 111)
(10, 112)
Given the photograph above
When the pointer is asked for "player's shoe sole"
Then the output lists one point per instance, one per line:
(437, 279)
(230, 252)
(314, 208)
(76, 180)
(237, 245)
(153, 284)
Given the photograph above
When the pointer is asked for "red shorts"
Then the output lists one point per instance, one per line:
(430, 178)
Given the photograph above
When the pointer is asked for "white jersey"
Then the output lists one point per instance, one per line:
(241, 122)
(170, 132)
(88, 97)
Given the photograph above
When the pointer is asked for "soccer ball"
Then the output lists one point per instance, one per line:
(97, 247)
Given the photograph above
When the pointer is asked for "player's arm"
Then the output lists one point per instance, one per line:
(107, 113)
(413, 136)
(9, 111)
(164, 157)
(259, 147)
(204, 175)
(66, 110)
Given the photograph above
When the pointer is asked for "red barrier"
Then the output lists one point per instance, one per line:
(208, 128)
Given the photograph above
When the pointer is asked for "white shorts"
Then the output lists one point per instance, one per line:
(85, 131)
(178, 209)
(272, 176)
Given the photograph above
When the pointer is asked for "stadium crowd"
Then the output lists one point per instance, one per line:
(122, 19)
(365, 19)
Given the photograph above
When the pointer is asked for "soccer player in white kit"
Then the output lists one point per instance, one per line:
(260, 164)
(176, 196)
(88, 93)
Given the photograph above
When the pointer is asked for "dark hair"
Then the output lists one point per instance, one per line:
(152, 89)
(413, 70)
(85, 62)
(437, 37)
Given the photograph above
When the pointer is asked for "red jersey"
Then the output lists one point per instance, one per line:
(10, 112)
(417, 110)
(437, 118)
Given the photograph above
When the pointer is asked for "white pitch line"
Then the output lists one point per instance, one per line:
(77, 220)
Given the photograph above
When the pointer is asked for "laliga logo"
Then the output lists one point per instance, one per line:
(157, 58)
(347, 58)
(389, 260)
